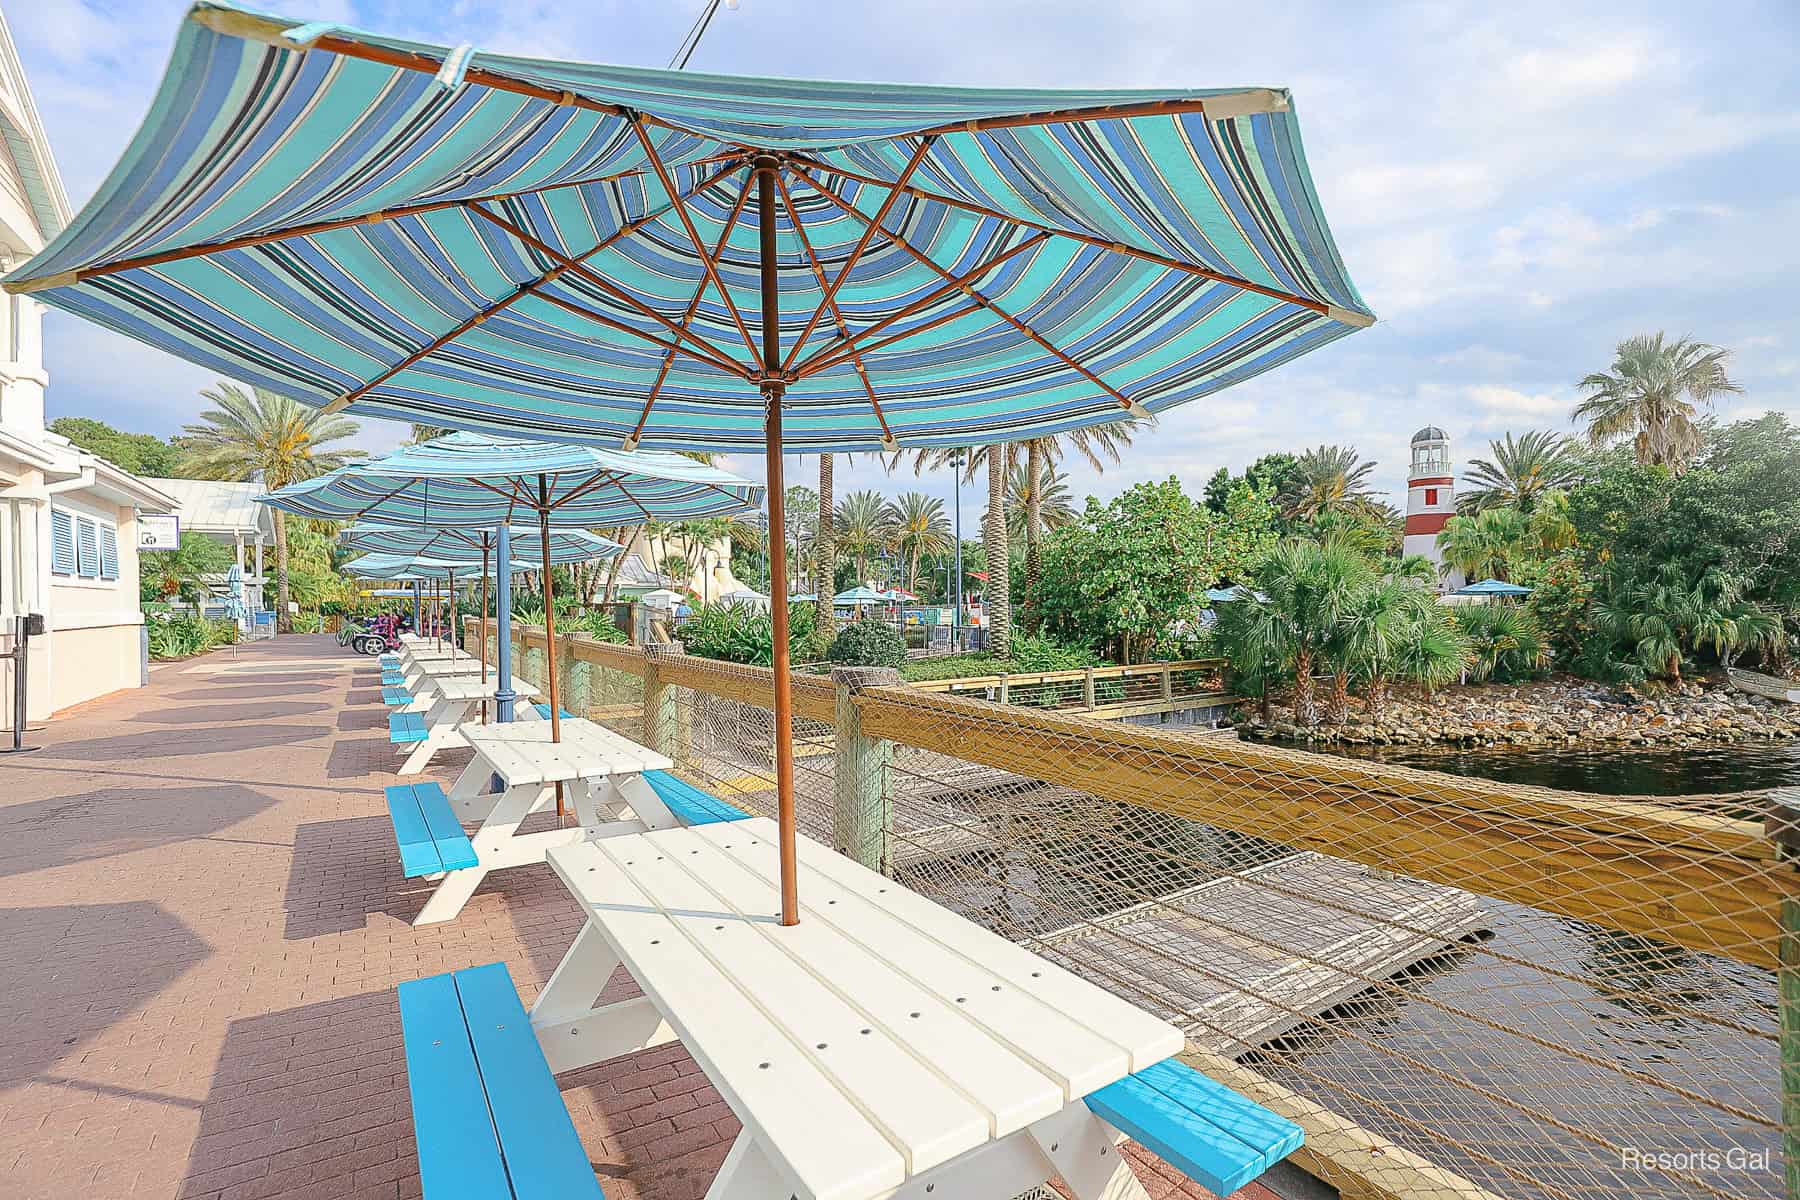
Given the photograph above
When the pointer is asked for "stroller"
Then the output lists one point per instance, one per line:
(381, 634)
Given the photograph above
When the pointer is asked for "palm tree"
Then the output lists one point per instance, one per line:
(825, 551)
(1661, 615)
(1099, 444)
(429, 433)
(801, 511)
(1505, 640)
(1397, 630)
(996, 600)
(268, 437)
(1651, 394)
(862, 528)
(1485, 545)
(1521, 472)
(1056, 507)
(1309, 594)
(917, 527)
(1330, 479)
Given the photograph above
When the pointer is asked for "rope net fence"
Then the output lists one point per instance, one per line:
(1459, 988)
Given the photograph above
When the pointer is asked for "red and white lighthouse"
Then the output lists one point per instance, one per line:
(1430, 499)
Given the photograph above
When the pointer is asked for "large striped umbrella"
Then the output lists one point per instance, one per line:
(632, 257)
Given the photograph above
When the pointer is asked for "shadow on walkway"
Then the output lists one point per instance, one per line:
(159, 744)
(356, 758)
(76, 970)
(362, 720)
(345, 871)
(111, 821)
(309, 1101)
(251, 691)
(224, 714)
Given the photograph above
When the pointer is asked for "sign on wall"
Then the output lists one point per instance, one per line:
(158, 531)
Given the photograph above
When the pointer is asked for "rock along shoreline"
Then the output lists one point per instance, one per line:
(1562, 713)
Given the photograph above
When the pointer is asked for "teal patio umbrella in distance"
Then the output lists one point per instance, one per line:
(628, 257)
(475, 481)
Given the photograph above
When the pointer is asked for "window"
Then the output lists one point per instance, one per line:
(83, 547)
(87, 548)
(109, 552)
(62, 543)
(1431, 495)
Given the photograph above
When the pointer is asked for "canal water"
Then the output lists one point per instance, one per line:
(1563, 1029)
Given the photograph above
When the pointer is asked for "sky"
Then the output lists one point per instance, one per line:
(1515, 188)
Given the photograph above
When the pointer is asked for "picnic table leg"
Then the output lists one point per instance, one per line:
(468, 794)
(747, 1174)
(1084, 1150)
(645, 804)
(438, 722)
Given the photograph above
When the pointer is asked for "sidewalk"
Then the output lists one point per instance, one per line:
(203, 921)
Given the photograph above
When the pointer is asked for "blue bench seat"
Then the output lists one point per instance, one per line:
(392, 678)
(396, 697)
(431, 839)
(543, 710)
(389, 661)
(406, 728)
(487, 1116)
(689, 804)
(1210, 1133)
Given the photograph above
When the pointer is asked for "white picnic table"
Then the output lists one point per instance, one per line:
(600, 772)
(884, 1047)
(449, 701)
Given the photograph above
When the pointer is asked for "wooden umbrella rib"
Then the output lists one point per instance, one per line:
(1161, 260)
(892, 338)
(925, 260)
(837, 352)
(662, 373)
(687, 221)
(862, 244)
(600, 281)
(317, 227)
(837, 314)
(505, 302)
(601, 319)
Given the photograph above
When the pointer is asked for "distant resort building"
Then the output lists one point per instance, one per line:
(1430, 501)
(229, 514)
(68, 518)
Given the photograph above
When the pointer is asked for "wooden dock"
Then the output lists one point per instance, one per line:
(1239, 961)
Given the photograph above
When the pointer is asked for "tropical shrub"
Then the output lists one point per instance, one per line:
(868, 643)
(1043, 653)
(176, 574)
(742, 634)
(1505, 643)
(183, 635)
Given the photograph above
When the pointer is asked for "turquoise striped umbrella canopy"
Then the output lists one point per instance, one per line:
(567, 545)
(472, 481)
(623, 255)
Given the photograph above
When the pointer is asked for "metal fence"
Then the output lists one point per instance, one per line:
(1460, 988)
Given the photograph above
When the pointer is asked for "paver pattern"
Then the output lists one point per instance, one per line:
(202, 921)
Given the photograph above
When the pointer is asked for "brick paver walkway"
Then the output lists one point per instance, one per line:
(202, 921)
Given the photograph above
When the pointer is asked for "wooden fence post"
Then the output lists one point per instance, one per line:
(1783, 826)
(1168, 686)
(1005, 691)
(863, 809)
(1087, 689)
(577, 686)
(664, 728)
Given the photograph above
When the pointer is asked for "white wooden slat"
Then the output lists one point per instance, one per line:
(831, 1149)
(1146, 1038)
(877, 915)
(1009, 1091)
(921, 1114)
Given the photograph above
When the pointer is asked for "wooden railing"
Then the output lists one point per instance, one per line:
(1107, 692)
(1657, 868)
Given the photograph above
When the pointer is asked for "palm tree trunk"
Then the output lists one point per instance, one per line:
(1340, 697)
(283, 622)
(1305, 711)
(999, 615)
(624, 537)
(825, 549)
(1034, 523)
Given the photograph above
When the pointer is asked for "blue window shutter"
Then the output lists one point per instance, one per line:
(109, 552)
(87, 548)
(62, 543)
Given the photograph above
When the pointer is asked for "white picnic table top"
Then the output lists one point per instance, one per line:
(461, 687)
(521, 752)
(881, 1037)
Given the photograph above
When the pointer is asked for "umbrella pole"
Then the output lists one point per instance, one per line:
(550, 629)
(482, 626)
(450, 621)
(773, 388)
